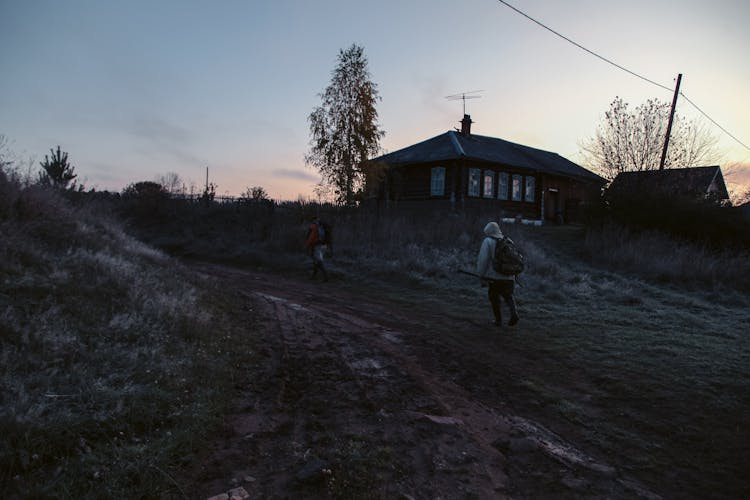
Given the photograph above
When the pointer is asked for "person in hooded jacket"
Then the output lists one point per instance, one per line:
(498, 285)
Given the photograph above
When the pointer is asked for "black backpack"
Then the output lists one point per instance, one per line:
(507, 259)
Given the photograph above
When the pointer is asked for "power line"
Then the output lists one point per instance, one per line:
(619, 67)
(584, 48)
(714, 121)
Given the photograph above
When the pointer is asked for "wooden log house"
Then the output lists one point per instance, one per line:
(460, 170)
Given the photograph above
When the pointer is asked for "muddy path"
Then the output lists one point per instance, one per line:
(354, 395)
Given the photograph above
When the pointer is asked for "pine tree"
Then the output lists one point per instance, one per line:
(57, 172)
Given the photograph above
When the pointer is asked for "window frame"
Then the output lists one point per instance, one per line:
(488, 175)
(473, 184)
(529, 190)
(516, 181)
(503, 194)
(437, 181)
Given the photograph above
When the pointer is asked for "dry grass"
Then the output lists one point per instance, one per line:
(106, 344)
(655, 256)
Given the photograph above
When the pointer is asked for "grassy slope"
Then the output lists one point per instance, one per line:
(105, 350)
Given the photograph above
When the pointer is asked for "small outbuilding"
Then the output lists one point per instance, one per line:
(459, 170)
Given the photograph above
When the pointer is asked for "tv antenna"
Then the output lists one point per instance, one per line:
(463, 96)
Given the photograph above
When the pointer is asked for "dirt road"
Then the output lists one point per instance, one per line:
(354, 395)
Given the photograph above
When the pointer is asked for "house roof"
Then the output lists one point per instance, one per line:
(453, 146)
(690, 181)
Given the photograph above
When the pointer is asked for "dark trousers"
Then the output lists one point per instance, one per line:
(317, 258)
(319, 265)
(504, 289)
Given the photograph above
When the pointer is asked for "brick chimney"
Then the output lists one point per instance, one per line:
(466, 125)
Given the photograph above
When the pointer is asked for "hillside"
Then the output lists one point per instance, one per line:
(105, 344)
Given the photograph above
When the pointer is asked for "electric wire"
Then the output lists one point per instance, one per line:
(714, 121)
(620, 67)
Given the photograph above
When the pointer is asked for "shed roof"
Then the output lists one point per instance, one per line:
(689, 181)
(453, 145)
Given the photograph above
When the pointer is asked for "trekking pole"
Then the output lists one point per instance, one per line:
(461, 271)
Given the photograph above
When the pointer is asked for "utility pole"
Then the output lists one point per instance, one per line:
(669, 125)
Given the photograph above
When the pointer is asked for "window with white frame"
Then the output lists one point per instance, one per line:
(474, 181)
(517, 187)
(437, 181)
(530, 188)
(502, 186)
(489, 183)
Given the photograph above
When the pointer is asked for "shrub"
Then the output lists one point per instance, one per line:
(658, 256)
(703, 222)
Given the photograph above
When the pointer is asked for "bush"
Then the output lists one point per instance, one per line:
(658, 256)
(145, 200)
(700, 221)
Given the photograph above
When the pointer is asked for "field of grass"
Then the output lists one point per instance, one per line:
(107, 342)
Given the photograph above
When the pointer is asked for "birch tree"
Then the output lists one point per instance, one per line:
(344, 131)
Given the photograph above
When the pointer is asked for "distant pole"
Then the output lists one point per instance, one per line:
(207, 174)
(669, 125)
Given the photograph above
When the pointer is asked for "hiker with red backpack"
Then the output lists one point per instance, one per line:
(498, 263)
(317, 243)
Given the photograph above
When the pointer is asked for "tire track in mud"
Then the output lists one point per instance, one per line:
(380, 371)
(366, 348)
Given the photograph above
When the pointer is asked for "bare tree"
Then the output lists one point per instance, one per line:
(6, 157)
(742, 197)
(344, 129)
(737, 176)
(170, 183)
(628, 140)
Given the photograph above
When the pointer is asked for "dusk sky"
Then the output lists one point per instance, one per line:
(135, 89)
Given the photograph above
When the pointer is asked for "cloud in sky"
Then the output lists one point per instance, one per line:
(160, 137)
(296, 174)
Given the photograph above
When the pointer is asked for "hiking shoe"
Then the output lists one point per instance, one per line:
(513, 320)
